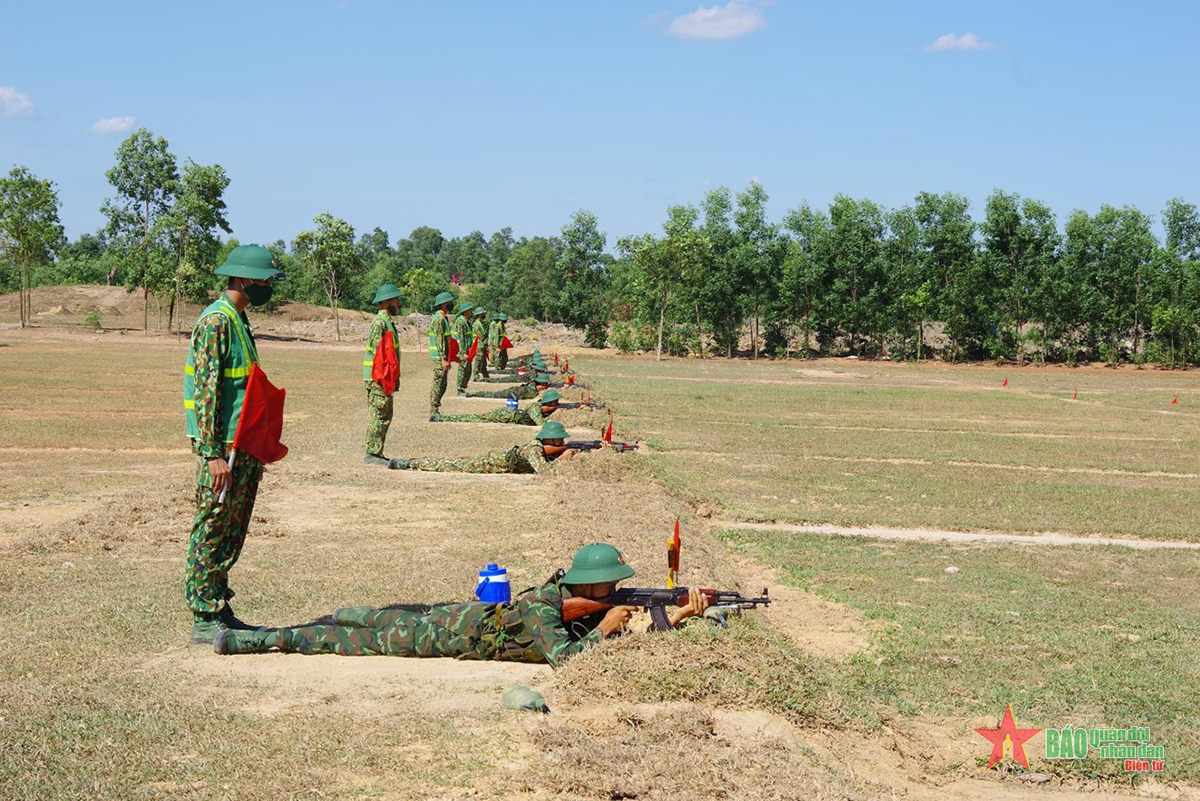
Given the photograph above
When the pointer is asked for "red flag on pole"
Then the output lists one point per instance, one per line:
(556, 358)
(1176, 400)
(566, 365)
(261, 422)
(505, 343)
(1005, 384)
(673, 557)
(385, 369)
(570, 381)
(474, 349)
(452, 351)
(608, 431)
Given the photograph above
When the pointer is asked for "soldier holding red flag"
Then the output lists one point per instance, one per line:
(460, 330)
(220, 363)
(439, 349)
(381, 371)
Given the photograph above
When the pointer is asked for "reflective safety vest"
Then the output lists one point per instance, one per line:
(369, 359)
(438, 333)
(236, 360)
(479, 328)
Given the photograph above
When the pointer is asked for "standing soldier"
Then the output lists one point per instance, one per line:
(501, 353)
(439, 349)
(493, 340)
(220, 356)
(460, 329)
(480, 331)
(379, 400)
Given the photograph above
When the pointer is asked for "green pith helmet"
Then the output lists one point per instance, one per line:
(465, 307)
(539, 364)
(550, 396)
(598, 563)
(480, 312)
(500, 317)
(387, 292)
(541, 378)
(250, 261)
(442, 299)
(552, 430)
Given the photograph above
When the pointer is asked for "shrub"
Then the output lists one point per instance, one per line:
(93, 320)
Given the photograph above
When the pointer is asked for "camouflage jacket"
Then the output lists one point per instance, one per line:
(460, 329)
(212, 338)
(531, 628)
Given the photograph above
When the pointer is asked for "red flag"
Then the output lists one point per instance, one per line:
(474, 349)
(566, 365)
(556, 358)
(1175, 401)
(452, 350)
(608, 432)
(1075, 396)
(261, 422)
(1005, 384)
(385, 369)
(505, 343)
(589, 398)
(570, 381)
(673, 557)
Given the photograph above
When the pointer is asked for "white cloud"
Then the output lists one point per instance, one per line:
(734, 19)
(968, 41)
(14, 104)
(112, 125)
(754, 179)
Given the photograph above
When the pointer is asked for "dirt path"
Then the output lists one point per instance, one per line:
(958, 536)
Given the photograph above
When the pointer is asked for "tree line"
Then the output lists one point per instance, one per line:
(925, 280)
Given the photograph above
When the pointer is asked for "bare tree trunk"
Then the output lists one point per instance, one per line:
(145, 311)
(662, 313)
(337, 323)
(699, 331)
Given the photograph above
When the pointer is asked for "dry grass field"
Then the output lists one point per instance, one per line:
(863, 680)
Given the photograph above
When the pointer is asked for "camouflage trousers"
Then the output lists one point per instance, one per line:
(459, 630)
(490, 462)
(503, 360)
(379, 417)
(523, 392)
(218, 533)
(464, 375)
(502, 415)
(480, 366)
(438, 389)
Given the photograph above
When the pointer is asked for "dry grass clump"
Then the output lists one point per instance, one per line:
(747, 666)
(604, 466)
(680, 751)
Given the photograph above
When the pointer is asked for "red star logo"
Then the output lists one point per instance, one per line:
(1008, 732)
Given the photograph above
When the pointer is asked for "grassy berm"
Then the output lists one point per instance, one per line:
(839, 691)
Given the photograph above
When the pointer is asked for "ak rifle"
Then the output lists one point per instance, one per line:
(655, 601)
(597, 444)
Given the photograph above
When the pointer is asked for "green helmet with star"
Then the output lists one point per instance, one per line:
(250, 261)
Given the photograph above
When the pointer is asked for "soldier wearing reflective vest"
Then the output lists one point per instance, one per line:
(219, 358)
(439, 348)
(460, 329)
(379, 401)
(479, 331)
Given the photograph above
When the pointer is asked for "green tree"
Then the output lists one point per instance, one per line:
(716, 295)
(950, 266)
(533, 267)
(30, 232)
(804, 283)
(330, 253)
(583, 278)
(757, 254)
(856, 263)
(146, 181)
(909, 292)
(194, 219)
(420, 288)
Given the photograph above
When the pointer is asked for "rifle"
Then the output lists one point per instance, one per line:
(655, 601)
(597, 444)
(580, 405)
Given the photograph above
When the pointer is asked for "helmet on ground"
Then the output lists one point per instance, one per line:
(387, 292)
(550, 396)
(598, 563)
(442, 299)
(552, 430)
(250, 261)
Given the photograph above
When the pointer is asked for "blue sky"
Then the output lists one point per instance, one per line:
(478, 115)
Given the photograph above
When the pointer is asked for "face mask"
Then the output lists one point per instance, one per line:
(257, 293)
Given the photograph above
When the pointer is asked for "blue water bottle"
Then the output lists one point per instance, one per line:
(493, 585)
(511, 403)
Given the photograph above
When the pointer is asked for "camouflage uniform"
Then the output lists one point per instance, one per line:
(495, 334)
(479, 328)
(460, 329)
(438, 350)
(379, 403)
(531, 415)
(219, 530)
(527, 458)
(530, 629)
(526, 391)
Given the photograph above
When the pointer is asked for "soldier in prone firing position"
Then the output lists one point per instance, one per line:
(535, 456)
(525, 391)
(534, 414)
(531, 628)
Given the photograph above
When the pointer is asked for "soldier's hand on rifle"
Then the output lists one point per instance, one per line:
(696, 604)
(616, 619)
(569, 453)
(222, 476)
(605, 444)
